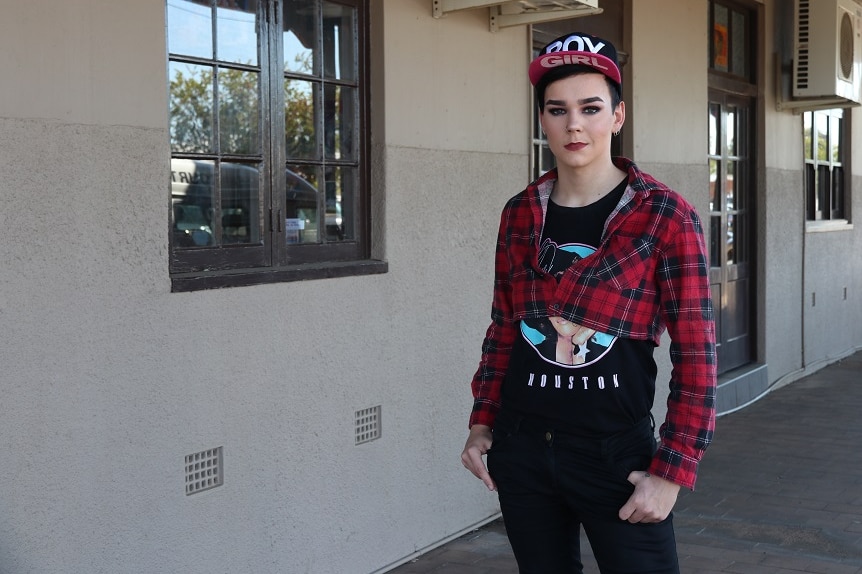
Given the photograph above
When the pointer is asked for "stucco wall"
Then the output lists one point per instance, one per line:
(669, 83)
(665, 130)
(109, 380)
(807, 321)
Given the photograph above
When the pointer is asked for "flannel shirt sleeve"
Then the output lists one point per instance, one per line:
(686, 306)
(496, 348)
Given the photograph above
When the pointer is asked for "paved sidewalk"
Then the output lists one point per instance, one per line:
(779, 491)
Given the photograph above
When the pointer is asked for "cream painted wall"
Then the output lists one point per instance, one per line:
(806, 318)
(456, 84)
(91, 70)
(666, 128)
(109, 380)
(668, 102)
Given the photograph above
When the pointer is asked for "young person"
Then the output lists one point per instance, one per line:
(594, 260)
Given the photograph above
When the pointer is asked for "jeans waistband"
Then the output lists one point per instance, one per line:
(600, 445)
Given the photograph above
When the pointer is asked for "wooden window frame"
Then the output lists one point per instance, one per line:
(830, 171)
(272, 259)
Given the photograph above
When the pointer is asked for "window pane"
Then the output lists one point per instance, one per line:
(810, 192)
(547, 158)
(824, 187)
(730, 190)
(192, 189)
(720, 39)
(738, 248)
(537, 124)
(236, 31)
(301, 217)
(340, 105)
(300, 36)
(342, 190)
(191, 108)
(715, 239)
(837, 193)
(835, 138)
(730, 244)
(714, 117)
(190, 28)
(240, 203)
(339, 31)
(731, 130)
(821, 124)
(714, 190)
(807, 118)
(239, 115)
(737, 44)
(299, 120)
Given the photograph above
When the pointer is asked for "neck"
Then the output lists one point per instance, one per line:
(580, 186)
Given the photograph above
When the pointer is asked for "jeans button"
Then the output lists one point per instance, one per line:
(548, 436)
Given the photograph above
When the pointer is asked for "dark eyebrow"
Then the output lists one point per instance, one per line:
(580, 102)
(590, 100)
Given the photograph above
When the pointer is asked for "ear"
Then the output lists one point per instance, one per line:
(619, 116)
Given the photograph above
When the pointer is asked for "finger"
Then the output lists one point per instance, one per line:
(627, 512)
(636, 476)
(472, 460)
(485, 477)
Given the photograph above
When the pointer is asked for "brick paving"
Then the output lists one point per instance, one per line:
(779, 491)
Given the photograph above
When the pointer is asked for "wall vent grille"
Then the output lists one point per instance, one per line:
(368, 424)
(802, 39)
(204, 470)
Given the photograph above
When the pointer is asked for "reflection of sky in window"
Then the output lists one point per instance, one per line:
(237, 36)
(189, 29)
(295, 54)
(190, 32)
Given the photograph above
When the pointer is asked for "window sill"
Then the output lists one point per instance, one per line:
(828, 225)
(185, 282)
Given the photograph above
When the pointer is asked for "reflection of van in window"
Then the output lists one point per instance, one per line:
(302, 211)
(192, 191)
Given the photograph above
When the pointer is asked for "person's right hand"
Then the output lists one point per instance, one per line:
(477, 445)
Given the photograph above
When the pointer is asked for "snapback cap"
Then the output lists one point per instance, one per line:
(577, 48)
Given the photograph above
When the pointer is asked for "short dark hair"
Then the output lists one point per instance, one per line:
(573, 70)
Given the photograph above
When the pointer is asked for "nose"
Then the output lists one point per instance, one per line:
(571, 125)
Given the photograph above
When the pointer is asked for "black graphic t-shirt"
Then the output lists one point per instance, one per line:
(599, 388)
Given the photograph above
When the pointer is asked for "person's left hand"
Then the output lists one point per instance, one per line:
(652, 500)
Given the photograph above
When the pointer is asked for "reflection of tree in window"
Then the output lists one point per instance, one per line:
(191, 108)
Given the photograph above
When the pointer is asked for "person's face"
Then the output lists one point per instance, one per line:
(578, 119)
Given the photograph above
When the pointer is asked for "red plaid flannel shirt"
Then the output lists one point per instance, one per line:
(649, 273)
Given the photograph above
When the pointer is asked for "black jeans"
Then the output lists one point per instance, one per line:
(551, 483)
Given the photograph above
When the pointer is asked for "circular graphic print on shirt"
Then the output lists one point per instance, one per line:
(552, 340)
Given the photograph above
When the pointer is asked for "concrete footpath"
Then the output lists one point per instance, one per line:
(779, 491)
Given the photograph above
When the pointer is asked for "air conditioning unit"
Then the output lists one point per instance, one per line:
(827, 51)
(505, 13)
